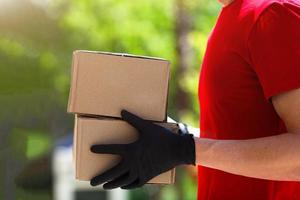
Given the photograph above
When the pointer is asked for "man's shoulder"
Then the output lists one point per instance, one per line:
(255, 8)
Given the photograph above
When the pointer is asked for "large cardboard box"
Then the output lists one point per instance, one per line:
(90, 131)
(104, 83)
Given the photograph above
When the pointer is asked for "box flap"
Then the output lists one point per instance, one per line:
(121, 54)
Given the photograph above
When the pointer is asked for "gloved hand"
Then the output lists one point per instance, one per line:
(156, 151)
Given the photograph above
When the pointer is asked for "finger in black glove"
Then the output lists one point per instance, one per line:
(156, 151)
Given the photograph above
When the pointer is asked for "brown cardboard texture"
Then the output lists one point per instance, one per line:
(91, 131)
(104, 83)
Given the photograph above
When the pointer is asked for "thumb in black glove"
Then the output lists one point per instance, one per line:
(156, 151)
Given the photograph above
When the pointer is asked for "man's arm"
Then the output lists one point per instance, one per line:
(274, 158)
(158, 150)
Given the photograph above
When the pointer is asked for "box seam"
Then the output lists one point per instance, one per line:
(124, 55)
(167, 93)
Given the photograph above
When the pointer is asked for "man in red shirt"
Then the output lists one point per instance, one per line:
(249, 94)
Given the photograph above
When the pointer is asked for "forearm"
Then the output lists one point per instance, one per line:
(273, 158)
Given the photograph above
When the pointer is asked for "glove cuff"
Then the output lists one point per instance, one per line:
(188, 151)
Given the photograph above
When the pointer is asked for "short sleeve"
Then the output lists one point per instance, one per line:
(274, 48)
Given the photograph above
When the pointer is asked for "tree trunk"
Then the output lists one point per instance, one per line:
(183, 49)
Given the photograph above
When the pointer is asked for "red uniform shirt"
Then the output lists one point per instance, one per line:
(252, 54)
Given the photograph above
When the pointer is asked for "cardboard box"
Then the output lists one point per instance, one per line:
(90, 131)
(104, 83)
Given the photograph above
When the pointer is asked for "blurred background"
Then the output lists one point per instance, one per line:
(37, 38)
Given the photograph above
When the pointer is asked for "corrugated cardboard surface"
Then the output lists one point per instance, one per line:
(90, 131)
(104, 83)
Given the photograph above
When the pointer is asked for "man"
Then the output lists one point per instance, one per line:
(249, 93)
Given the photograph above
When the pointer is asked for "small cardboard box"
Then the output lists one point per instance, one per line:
(104, 83)
(91, 131)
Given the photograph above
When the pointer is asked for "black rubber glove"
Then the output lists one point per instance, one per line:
(156, 151)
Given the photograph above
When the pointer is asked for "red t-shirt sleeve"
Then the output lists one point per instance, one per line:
(274, 46)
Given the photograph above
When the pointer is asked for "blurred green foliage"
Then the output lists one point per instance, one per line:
(38, 144)
(37, 38)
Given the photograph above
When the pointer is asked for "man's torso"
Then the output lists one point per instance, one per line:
(233, 104)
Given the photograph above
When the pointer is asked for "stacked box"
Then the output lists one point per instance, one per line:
(91, 131)
(102, 85)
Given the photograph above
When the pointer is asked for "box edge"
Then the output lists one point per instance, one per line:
(73, 85)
